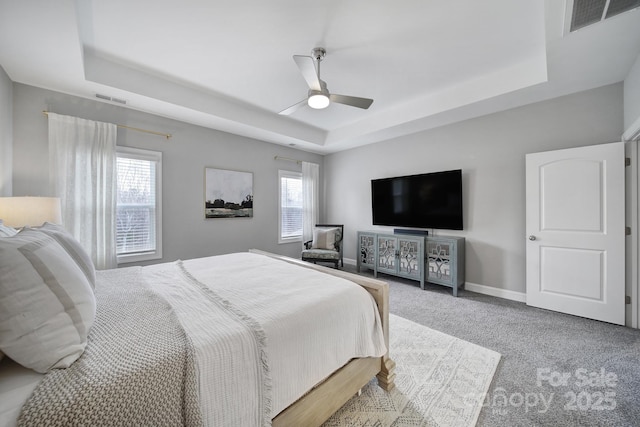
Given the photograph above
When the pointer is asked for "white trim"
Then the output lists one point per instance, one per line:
(496, 292)
(350, 261)
(284, 241)
(635, 233)
(568, 13)
(480, 289)
(154, 156)
(285, 174)
(632, 311)
(633, 132)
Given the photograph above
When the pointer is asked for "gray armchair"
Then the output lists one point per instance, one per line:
(326, 245)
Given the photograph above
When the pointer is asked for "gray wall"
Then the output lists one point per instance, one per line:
(186, 234)
(632, 95)
(490, 150)
(6, 133)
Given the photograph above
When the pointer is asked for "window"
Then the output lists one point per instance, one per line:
(138, 205)
(290, 206)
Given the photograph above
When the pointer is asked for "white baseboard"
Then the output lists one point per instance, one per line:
(481, 289)
(496, 292)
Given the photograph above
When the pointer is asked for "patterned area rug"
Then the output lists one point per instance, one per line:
(440, 381)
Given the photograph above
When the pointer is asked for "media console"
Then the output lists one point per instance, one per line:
(434, 259)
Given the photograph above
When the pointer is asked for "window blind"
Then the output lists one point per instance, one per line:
(290, 207)
(136, 206)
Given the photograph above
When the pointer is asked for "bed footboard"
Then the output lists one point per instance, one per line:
(321, 402)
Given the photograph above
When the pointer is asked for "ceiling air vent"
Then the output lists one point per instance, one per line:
(109, 98)
(587, 12)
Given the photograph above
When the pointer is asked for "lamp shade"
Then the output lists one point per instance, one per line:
(32, 211)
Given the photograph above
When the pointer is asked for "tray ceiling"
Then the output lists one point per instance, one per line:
(228, 65)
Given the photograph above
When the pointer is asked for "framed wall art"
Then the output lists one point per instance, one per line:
(228, 194)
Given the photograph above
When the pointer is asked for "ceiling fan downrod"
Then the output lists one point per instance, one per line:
(318, 53)
(318, 99)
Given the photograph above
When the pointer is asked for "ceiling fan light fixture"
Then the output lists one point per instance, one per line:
(318, 100)
(318, 96)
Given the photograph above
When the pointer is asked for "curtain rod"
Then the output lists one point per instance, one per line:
(287, 159)
(166, 135)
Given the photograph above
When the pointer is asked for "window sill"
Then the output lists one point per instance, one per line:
(282, 241)
(147, 256)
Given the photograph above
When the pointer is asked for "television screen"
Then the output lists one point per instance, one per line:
(431, 200)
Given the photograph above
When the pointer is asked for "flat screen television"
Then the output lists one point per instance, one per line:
(430, 200)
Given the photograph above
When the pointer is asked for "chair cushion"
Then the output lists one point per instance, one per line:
(338, 234)
(325, 238)
(320, 254)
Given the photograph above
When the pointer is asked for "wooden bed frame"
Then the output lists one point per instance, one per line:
(325, 399)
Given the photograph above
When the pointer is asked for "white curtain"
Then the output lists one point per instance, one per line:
(82, 172)
(310, 193)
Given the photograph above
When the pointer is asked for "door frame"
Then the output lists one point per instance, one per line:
(632, 242)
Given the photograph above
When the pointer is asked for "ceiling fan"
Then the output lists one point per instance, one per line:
(319, 96)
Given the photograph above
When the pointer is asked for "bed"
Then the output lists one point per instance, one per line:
(254, 339)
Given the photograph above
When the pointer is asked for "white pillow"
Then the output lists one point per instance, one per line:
(324, 238)
(73, 248)
(7, 231)
(47, 305)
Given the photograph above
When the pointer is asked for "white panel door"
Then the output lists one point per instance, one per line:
(575, 231)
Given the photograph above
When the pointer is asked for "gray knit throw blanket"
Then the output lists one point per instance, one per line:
(138, 368)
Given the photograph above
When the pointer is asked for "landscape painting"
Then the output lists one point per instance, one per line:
(228, 194)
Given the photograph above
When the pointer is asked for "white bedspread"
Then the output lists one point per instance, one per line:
(314, 323)
(305, 325)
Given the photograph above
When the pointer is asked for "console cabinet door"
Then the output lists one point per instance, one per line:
(439, 261)
(366, 250)
(411, 258)
(387, 254)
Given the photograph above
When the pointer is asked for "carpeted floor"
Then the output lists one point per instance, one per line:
(438, 381)
(556, 369)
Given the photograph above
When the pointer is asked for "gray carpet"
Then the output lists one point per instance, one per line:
(556, 369)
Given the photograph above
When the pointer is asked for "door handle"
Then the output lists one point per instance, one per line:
(532, 237)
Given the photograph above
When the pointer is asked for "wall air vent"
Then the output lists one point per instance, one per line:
(587, 12)
(108, 98)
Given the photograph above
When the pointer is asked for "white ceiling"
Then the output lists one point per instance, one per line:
(228, 64)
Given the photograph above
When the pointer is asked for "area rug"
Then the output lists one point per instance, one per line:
(440, 381)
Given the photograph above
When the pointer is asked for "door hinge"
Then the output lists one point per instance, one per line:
(627, 299)
(627, 231)
(627, 161)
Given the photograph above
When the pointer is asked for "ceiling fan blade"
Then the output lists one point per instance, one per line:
(352, 101)
(308, 69)
(293, 108)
